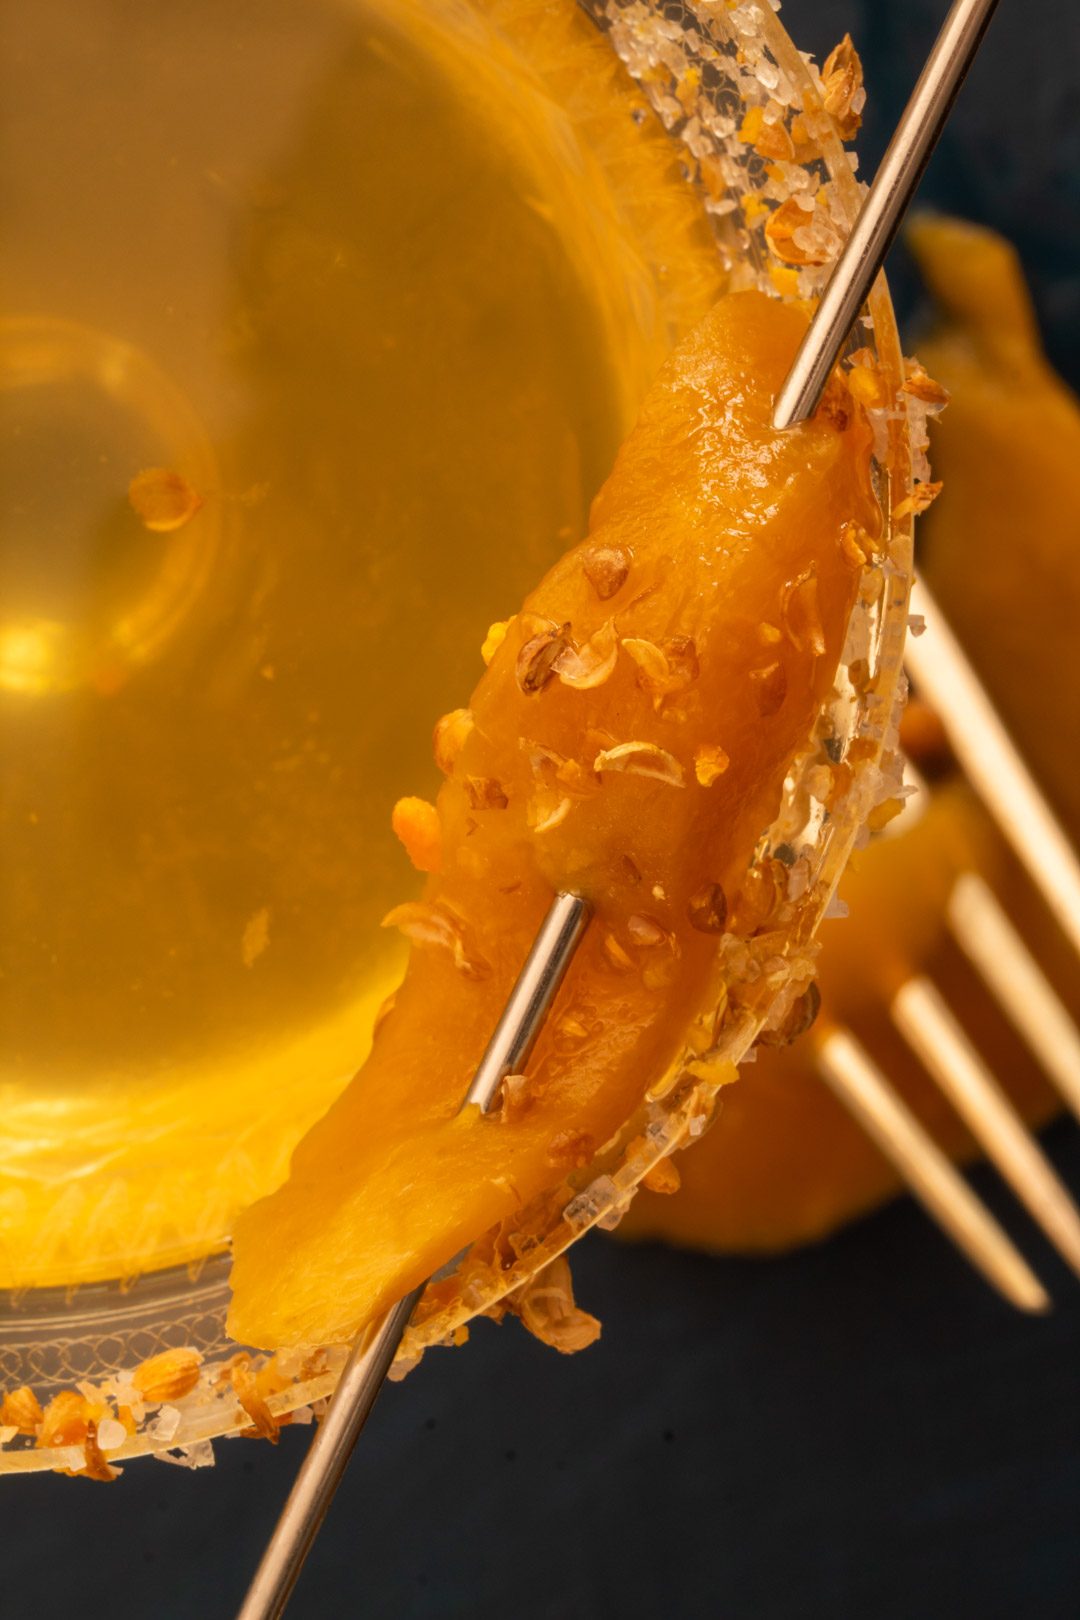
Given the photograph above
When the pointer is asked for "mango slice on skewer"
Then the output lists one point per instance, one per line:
(629, 740)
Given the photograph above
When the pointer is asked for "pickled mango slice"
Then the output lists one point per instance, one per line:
(629, 740)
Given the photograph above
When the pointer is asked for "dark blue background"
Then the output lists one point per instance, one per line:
(859, 1430)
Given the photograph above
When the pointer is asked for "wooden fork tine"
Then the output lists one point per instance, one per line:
(992, 945)
(935, 1181)
(933, 1032)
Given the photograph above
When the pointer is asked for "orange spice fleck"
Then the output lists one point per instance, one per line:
(787, 220)
(168, 1376)
(246, 1389)
(844, 94)
(571, 1148)
(922, 496)
(21, 1410)
(663, 1178)
(494, 639)
(450, 736)
(65, 1420)
(163, 500)
(416, 823)
(710, 763)
(920, 385)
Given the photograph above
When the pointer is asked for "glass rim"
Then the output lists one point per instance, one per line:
(733, 60)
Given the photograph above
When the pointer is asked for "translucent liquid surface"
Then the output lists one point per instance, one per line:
(348, 273)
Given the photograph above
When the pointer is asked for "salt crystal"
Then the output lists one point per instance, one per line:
(879, 425)
(668, 109)
(165, 1424)
(584, 1209)
(609, 1221)
(835, 909)
(602, 1190)
(303, 1414)
(198, 1455)
(784, 90)
(799, 879)
(916, 624)
(8, 1431)
(290, 1362)
(111, 1434)
(747, 19)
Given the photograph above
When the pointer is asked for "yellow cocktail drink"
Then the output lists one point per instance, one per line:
(320, 328)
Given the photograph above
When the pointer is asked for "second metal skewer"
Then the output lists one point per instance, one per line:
(879, 219)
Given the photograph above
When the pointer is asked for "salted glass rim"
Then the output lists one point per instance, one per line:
(703, 66)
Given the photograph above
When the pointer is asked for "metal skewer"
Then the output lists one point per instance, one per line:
(879, 219)
(562, 929)
(369, 1362)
